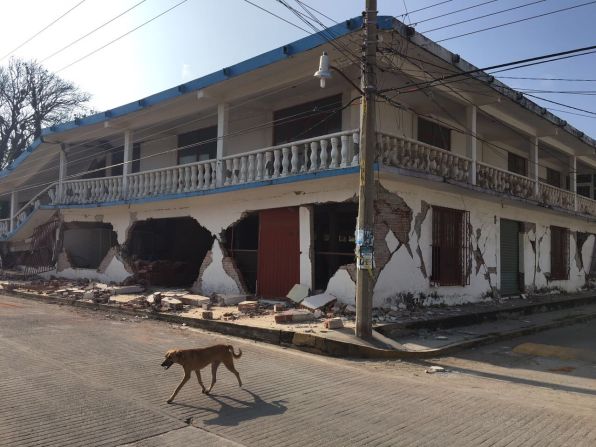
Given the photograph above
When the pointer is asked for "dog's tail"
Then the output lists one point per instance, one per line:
(236, 356)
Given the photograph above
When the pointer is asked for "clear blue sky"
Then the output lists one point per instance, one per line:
(201, 36)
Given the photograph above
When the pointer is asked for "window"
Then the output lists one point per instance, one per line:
(450, 247)
(434, 134)
(199, 145)
(559, 253)
(585, 191)
(553, 177)
(307, 120)
(517, 164)
(117, 159)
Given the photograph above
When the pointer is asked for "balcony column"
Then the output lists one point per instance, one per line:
(127, 163)
(13, 208)
(471, 140)
(223, 116)
(573, 179)
(61, 174)
(534, 166)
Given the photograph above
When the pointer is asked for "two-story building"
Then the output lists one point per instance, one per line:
(246, 180)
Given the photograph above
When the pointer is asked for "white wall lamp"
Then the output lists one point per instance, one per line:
(324, 72)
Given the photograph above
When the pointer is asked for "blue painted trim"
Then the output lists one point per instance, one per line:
(262, 60)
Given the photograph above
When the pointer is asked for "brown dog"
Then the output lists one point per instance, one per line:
(196, 359)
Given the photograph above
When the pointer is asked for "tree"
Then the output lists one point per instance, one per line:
(32, 98)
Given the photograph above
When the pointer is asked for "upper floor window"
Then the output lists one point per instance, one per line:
(553, 177)
(517, 164)
(307, 120)
(434, 134)
(198, 145)
(117, 159)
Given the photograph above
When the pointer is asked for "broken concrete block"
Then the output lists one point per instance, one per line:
(122, 290)
(293, 316)
(318, 301)
(194, 300)
(125, 299)
(172, 303)
(435, 369)
(298, 293)
(154, 298)
(248, 306)
(230, 300)
(89, 295)
(279, 308)
(207, 315)
(334, 323)
(318, 313)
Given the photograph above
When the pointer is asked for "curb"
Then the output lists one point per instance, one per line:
(306, 342)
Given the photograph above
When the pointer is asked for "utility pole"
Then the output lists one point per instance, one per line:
(365, 223)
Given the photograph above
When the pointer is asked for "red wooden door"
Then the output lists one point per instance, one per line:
(279, 252)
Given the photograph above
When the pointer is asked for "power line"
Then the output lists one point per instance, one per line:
(91, 32)
(516, 21)
(275, 15)
(548, 79)
(567, 53)
(42, 30)
(120, 37)
(482, 16)
(455, 12)
(560, 104)
(426, 7)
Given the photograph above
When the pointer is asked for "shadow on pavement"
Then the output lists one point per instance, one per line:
(236, 410)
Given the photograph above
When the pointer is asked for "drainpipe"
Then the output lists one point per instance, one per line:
(472, 141)
(13, 209)
(223, 115)
(126, 167)
(534, 167)
(573, 179)
(61, 174)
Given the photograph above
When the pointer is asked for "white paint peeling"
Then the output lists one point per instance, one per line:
(392, 242)
(215, 279)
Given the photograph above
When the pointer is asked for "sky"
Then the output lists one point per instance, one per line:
(198, 37)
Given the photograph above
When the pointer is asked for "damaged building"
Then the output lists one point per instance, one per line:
(245, 181)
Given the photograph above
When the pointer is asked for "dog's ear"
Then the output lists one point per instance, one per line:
(172, 354)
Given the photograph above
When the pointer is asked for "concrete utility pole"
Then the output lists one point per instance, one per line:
(365, 223)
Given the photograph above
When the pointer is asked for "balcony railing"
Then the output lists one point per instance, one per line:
(413, 155)
(335, 151)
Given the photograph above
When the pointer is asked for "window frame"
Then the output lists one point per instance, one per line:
(435, 134)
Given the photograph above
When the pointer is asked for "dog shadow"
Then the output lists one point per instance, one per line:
(233, 411)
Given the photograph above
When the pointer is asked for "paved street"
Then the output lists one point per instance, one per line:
(78, 377)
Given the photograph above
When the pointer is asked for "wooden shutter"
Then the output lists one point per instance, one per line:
(559, 253)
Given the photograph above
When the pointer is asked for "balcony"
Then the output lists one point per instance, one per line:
(312, 156)
(414, 155)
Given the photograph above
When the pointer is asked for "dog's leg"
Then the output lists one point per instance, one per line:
(229, 363)
(184, 380)
(198, 372)
(214, 367)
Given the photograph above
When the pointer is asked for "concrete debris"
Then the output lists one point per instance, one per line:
(334, 323)
(230, 300)
(248, 306)
(298, 293)
(318, 313)
(207, 315)
(125, 290)
(318, 301)
(194, 300)
(350, 309)
(435, 369)
(293, 316)
(168, 303)
(279, 308)
(126, 299)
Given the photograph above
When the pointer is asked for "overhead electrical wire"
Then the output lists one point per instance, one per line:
(426, 7)
(121, 36)
(91, 32)
(515, 21)
(42, 30)
(418, 22)
(275, 15)
(480, 17)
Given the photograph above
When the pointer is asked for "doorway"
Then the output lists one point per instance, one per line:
(510, 257)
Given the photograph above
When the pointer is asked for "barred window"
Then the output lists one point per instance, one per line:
(450, 247)
(559, 253)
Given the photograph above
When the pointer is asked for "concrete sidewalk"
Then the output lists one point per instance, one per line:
(424, 333)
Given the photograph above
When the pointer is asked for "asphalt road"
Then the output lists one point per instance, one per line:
(78, 377)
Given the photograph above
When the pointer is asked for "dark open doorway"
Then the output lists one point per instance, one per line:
(242, 244)
(168, 252)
